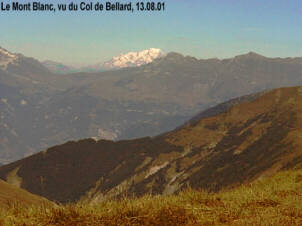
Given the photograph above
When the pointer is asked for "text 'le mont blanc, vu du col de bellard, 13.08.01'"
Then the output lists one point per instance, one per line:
(83, 6)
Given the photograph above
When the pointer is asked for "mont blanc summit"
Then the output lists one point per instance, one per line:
(133, 59)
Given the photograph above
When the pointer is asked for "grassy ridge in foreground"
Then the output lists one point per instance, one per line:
(268, 201)
(11, 195)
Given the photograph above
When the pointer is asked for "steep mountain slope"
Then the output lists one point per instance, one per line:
(223, 107)
(18, 68)
(249, 140)
(10, 195)
(26, 75)
(40, 109)
(26, 87)
(24, 84)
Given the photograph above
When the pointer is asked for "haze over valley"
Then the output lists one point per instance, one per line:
(40, 108)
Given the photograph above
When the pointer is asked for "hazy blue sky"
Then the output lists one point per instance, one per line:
(204, 29)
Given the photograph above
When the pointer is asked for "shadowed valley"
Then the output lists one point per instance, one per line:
(237, 143)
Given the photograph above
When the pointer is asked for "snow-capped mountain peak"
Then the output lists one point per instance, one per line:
(6, 58)
(4, 52)
(133, 59)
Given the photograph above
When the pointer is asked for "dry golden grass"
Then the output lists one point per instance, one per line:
(269, 201)
(11, 196)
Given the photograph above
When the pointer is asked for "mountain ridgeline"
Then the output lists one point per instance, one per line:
(40, 108)
(248, 140)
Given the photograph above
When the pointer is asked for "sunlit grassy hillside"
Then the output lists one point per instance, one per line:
(11, 195)
(267, 201)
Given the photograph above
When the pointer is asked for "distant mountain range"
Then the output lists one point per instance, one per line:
(40, 108)
(131, 59)
(254, 137)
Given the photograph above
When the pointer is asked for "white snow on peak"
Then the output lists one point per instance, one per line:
(4, 52)
(134, 59)
(6, 58)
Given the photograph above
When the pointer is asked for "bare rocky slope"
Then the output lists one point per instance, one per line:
(249, 140)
